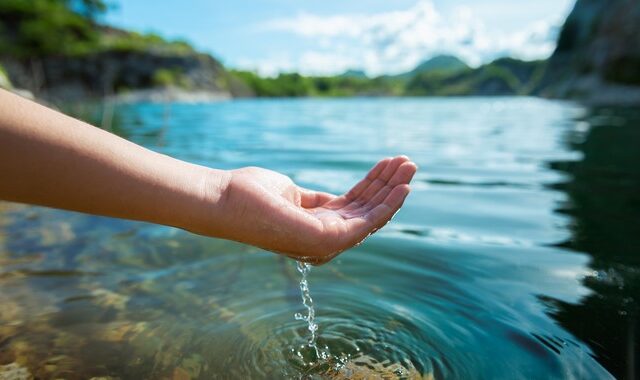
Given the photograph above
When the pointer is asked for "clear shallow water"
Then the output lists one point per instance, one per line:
(515, 256)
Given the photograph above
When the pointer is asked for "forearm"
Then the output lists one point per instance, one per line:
(50, 159)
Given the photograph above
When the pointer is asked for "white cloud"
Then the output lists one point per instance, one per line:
(397, 41)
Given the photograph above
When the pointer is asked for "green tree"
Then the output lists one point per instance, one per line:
(45, 27)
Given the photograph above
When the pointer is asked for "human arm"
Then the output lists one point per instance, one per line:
(50, 159)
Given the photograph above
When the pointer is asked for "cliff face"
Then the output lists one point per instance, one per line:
(58, 51)
(110, 72)
(598, 53)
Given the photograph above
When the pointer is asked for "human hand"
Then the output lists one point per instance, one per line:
(50, 159)
(266, 209)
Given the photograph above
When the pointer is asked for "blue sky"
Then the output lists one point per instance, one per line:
(330, 36)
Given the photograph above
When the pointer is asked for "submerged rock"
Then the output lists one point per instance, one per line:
(365, 367)
(180, 374)
(107, 298)
(14, 371)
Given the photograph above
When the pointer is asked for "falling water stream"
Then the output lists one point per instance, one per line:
(312, 326)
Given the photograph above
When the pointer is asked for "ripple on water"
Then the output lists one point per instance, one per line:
(351, 345)
(365, 338)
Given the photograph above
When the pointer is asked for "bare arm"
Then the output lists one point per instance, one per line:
(50, 159)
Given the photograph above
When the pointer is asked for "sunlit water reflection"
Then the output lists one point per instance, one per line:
(510, 260)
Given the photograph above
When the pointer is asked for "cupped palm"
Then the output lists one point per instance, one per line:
(313, 226)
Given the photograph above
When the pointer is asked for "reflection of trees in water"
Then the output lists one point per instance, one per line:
(604, 202)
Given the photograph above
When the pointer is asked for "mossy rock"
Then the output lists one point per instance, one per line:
(166, 77)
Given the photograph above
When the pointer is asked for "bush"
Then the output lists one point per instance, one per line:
(44, 27)
(4, 79)
(136, 42)
(36, 28)
(170, 78)
(296, 85)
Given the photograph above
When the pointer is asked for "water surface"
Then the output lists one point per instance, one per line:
(517, 255)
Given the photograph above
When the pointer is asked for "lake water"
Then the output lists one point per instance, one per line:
(516, 256)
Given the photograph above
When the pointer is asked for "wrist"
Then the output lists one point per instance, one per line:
(205, 216)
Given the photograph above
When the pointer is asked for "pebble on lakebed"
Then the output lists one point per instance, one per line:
(14, 371)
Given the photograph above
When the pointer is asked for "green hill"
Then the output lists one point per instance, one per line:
(504, 76)
(447, 63)
(354, 74)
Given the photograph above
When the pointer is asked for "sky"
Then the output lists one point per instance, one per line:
(332, 36)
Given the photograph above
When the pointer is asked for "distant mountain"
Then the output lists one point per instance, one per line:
(527, 73)
(440, 62)
(354, 74)
(443, 63)
(504, 76)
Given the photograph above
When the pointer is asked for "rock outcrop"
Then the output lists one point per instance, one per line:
(597, 58)
(59, 78)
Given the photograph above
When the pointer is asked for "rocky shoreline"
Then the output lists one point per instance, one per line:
(170, 94)
(127, 76)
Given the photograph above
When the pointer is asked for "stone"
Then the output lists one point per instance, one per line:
(180, 374)
(14, 371)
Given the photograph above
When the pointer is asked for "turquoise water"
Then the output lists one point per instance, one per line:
(516, 256)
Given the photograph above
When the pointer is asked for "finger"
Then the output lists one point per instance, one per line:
(381, 180)
(363, 184)
(380, 215)
(383, 212)
(311, 199)
(375, 186)
(372, 175)
(403, 175)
